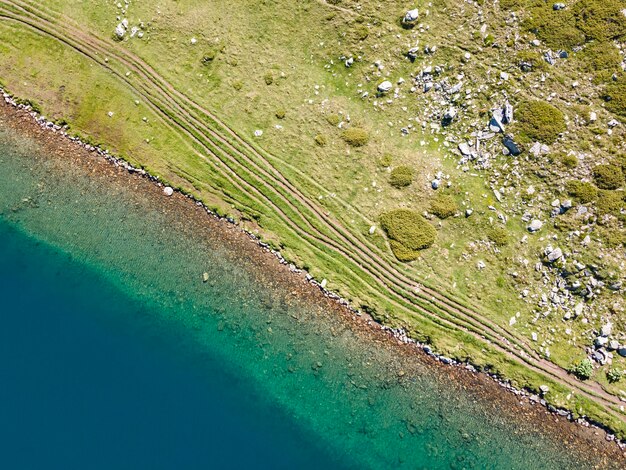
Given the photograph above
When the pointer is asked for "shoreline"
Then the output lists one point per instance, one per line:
(402, 343)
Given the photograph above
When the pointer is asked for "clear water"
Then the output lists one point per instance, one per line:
(115, 354)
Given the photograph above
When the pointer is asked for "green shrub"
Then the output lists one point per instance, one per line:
(557, 29)
(320, 139)
(408, 232)
(608, 176)
(539, 121)
(333, 119)
(609, 202)
(498, 235)
(601, 20)
(614, 375)
(386, 160)
(612, 236)
(355, 136)
(583, 192)
(532, 59)
(238, 85)
(443, 206)
(568, 160)
(615, 96)
(600, 56)
(583, 369)
(280, 113)
(268, 78)
(361, 32)
(401, 176)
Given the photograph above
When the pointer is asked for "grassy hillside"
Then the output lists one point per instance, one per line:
(270, 111)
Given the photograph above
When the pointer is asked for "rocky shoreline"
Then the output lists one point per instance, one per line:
(398, 336)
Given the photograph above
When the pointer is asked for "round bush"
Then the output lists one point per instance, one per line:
(443, 206)
(401, 177)
(599, 56)
(609, 202)
(615, 97)
(539, 121)
(408, 232)
(355, 136)
(320, 139)
(583, 192)
(498, 235)
(333, 119)
(600, 19)
(280, 113)
(608, 176)
(386, 160)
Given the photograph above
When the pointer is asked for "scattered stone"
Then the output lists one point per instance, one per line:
(622, 351)
(205, 277)
(504, 76)
(372, 229)
(468, 212)
(435, 183)
(601, 341)
(168, 191)
(593, 117)
(558, 6)
(613, 345)
(258, 133)
(544, 389)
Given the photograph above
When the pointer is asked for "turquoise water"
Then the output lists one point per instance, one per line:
(115, 354)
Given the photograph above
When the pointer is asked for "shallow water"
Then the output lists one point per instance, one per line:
(115, 354)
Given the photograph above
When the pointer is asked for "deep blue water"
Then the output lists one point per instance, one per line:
(87, 380)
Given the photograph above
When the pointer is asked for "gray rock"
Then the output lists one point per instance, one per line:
(435, 184)
(511, 146)
(412, 53)
(535, 225)
(567, 204)
(544, 389)
(555, 255)
(601, 341)
(508, 113)
(558, 6)
(168, 191)
(385, 86)
(468, 212)
(120, 30)
(613, 345)
(622, 351)
(606, 329)
(411, 16)
(465, 149)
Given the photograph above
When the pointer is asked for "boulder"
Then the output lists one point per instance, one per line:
(535, 225)
(465, 149)
(508, 113)
(558, 6)
(555, 255)
(606, 329)
(168, 191)
(622, 351)
(411, 16)
(385, 86)
(435, 184)
(511, 146)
